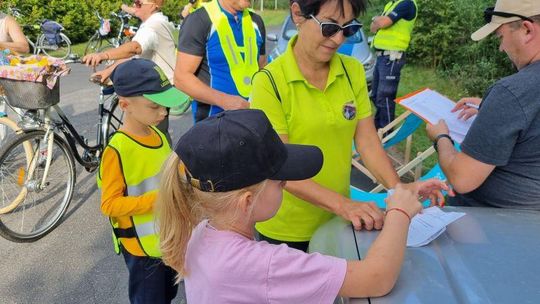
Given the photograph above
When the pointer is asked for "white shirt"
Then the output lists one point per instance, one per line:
(155, 36)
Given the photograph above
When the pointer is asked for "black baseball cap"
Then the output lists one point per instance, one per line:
(142, 77)
(237, 149)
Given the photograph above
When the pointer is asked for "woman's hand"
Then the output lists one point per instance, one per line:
(466, 111)
(94, 59)
(362, 215)
(431, 189)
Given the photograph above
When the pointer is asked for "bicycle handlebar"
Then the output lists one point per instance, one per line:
(97, 80)
(74, 60)
(15, 12)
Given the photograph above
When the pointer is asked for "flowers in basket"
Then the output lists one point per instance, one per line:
(34, 68)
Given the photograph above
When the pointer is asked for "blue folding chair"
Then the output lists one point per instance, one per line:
(357, 194)
(405, 125)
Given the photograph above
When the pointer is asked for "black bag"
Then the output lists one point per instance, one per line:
(51, 30)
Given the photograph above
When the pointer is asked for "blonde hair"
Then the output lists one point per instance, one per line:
(180, 207)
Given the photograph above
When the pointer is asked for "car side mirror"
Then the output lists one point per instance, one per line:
(370, 39)
(272, 37)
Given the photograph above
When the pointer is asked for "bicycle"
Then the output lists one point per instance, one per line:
(100, 41)
(7, 126)
(51, 41)
(37, 166)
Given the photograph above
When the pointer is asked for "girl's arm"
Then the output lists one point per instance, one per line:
(376, 275)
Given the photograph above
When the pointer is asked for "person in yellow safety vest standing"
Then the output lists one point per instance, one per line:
(220, 47)
(393, 35)
(190, 8)
(129, 177)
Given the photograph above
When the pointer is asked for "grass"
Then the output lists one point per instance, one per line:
(273, 18)
(78, 48)
(414, 78)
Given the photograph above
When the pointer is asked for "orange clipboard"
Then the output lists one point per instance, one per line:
(400, 99)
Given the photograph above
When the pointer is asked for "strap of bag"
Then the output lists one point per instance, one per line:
(274, 86)
(272, 81)
(346, 74)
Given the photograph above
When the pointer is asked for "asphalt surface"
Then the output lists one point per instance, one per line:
(76, 262)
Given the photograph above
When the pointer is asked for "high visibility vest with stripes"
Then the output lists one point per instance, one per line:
(141, 166)
(242, 60)
(396, 37)
(195, 6)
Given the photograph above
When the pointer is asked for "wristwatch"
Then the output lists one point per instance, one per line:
(439, 137)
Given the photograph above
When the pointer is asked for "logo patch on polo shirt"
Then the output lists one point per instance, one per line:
(349, 110)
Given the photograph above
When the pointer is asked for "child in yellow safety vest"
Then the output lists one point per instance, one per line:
(129, 177)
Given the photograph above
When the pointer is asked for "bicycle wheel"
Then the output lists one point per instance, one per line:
(112, 120)
(60, 50)
(7, 129)
(181, 109)
(93, 45)
(32, 208)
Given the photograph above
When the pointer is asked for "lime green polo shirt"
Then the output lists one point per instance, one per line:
(307, 115)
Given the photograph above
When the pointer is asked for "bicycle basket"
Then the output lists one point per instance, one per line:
(30, 95)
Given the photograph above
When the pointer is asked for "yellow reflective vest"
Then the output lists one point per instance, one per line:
(396, 37)
(141, 166)
(195, 6)
(242, 67)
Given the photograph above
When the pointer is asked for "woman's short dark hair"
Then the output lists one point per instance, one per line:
(312, 7)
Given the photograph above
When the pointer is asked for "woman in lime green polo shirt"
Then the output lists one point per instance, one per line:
(320, 97)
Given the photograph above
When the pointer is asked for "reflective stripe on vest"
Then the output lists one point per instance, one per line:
(141, 166)
(242, 68)
(147, 185)
(396, 37)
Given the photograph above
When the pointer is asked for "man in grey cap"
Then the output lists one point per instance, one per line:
(499, 164)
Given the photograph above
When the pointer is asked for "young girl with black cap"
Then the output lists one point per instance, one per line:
(227, 173)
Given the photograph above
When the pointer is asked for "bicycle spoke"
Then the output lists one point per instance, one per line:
(34, 206)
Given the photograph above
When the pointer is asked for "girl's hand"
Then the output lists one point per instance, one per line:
(404, 198)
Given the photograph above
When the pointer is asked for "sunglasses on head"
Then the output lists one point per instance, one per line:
(490, 12)
(329, 29)
(139, 3)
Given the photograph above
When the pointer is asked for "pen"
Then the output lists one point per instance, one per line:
(471, 105)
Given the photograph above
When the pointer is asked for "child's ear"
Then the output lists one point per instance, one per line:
(246, 201)
(123, 103)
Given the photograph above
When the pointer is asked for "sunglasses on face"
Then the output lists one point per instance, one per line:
(329, 29)
(490, 12)
(140, 3)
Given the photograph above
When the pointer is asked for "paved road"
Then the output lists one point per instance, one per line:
(75, 263)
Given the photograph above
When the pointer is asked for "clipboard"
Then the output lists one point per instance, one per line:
(432, 106)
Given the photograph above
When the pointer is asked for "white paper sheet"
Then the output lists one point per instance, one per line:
(428, 225)
(433, 106)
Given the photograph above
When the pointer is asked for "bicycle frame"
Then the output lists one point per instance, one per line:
(114, 41)
(91, 154)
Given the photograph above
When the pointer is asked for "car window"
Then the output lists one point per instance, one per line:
(356, 38)
(290, 30)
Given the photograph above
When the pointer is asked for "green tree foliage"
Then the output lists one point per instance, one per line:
(441, 40)
(270, 4)
(77, 16)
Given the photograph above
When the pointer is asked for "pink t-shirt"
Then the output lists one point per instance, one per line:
(226, 267)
